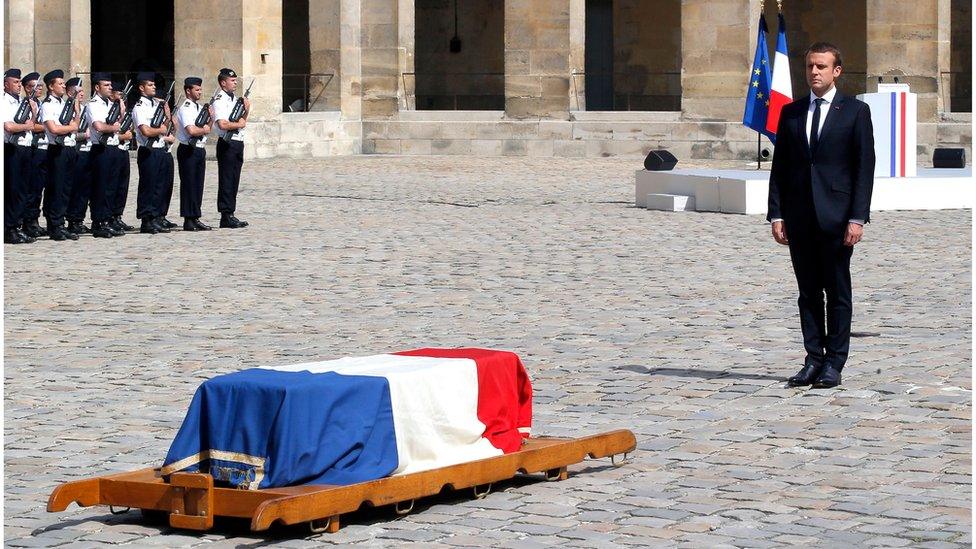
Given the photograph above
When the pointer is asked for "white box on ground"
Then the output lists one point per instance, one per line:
(747, 191)
(670, 202)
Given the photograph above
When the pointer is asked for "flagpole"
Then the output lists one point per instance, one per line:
(758, 151)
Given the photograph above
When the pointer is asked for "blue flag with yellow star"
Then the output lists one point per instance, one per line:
(757, 96)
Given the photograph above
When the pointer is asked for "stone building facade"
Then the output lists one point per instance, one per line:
(506, 77)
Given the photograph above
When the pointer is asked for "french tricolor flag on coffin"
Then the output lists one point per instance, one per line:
(354, 419)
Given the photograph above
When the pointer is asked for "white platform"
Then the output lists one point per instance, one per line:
(746, 191)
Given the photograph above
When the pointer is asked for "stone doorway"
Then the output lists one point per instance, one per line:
(459, 55)
(127, 37)
(633, 55)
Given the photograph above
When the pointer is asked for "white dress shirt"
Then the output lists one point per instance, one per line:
(186, 115)
(142, 114)
(51, 109)
(8, 109)
(223, 105)
(97, 111)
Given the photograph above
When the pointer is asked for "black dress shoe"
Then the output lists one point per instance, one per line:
(119, 224)
(189, 225)
(33, 228)
(60, 233)
(28, 239)
(148, 227)
(830, 377)
(228, 221)
(167, 223)
(200, 226)
(806, 375)
(13, 236)
(160, 226)
(112, 228)
(101, 230)
(78, 227)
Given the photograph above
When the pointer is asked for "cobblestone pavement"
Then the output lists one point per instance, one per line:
(681, 327)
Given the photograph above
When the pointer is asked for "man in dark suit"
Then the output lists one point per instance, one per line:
(819, 200)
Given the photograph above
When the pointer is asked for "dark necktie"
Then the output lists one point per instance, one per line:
(815, 124)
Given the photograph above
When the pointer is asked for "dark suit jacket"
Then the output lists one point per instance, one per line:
(834, 183)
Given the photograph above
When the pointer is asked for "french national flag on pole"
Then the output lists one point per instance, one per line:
(782, 92)
(354, 419)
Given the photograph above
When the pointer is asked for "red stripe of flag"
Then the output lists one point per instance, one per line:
(504, 393)
(904, 153)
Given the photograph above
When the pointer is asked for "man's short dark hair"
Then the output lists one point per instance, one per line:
(825, 47)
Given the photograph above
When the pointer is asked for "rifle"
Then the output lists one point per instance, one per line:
(238, 111)
(68, 111)
(24, 110)
(113, 114)
(203, 117)
(172, 124)
(160, 114)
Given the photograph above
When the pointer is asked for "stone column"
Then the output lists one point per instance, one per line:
(903, 41)
(537, 52)
(379, 57)
(407, 48)
(350, 60)
(577, 55)
(18, 38)
(324, 46)
(62, 36)
(717, 44)
(242, 35)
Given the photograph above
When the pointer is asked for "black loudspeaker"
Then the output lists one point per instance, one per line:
(949, 158)
(657, 161)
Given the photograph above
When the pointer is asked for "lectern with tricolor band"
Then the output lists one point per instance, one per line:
(894, 114)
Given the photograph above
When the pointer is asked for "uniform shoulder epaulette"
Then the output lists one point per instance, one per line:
(186, 104)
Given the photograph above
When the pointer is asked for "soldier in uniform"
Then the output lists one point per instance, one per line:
(38, 159)
(61, 156)
(104, 165)
(81, 182)
(190, 155)
(150, 160)
(16, 159)
(230, 148)
(119, 195)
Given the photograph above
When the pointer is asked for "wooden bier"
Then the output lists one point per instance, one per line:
(192, 500)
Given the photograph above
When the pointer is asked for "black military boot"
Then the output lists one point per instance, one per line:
(99, 229)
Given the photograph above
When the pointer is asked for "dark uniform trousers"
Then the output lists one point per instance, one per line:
(60, 175)
(230, 158)
(151, 163)
(16, 183)
(103, 181)
(38, 180)
(80, 188)
(166, 185)
(120, 193)
(193, 164)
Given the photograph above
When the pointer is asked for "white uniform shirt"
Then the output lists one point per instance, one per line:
(142, 114)
(186, 115)
(824, 110)
(223, 105)
(8, 108)
(51, 110)
(97, 111)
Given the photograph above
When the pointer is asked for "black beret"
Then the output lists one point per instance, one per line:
(101, 77)
(30, 76)
(56, 73)
(146, 75)
(192, 81)
(117, 86)
(73, 81)
(12, 73)
(225, 72)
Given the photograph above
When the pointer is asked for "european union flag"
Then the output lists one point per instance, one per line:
(757, 95)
